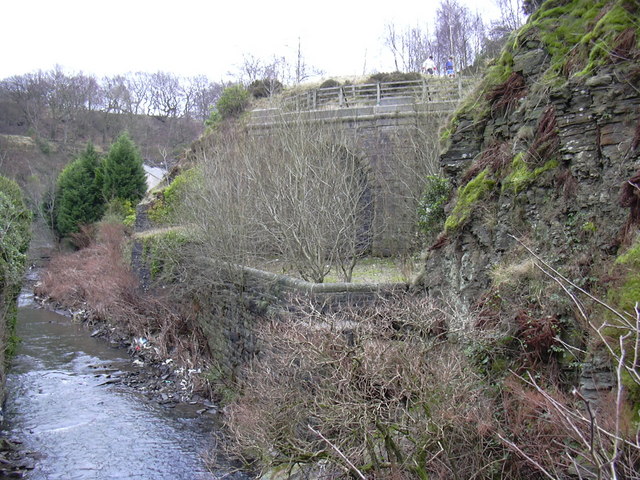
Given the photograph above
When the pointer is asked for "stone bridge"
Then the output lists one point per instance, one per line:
(395, 126)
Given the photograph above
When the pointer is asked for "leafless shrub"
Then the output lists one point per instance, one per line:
(376, 392)
(300, 193)
(593, 441)
(84, 236)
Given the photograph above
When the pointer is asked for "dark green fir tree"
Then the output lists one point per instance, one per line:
(79, 193)
(122, 173)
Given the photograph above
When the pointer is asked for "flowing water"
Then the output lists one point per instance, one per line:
(64, 403)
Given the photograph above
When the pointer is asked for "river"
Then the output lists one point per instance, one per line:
(65, 404)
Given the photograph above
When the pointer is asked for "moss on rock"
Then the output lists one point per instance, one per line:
(468, 196)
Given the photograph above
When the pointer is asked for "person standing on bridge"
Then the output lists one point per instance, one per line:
(429, 66)
(448, 68)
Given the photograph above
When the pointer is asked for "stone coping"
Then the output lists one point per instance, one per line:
(273, 116)
(302, 286)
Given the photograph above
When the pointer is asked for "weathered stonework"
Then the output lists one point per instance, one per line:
(384, 134)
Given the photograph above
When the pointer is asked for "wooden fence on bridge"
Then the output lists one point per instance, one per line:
(429, 89)
(434, 93)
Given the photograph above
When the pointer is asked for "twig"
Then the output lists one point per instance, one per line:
(351, 465)
(512, 445)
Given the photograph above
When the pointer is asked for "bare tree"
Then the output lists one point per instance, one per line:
(116, 95)
(458, 34)
(138, 86)
(29, 93)
(409, 48)
(165, 94)
(68, 96)
(313, 198)
(278, 67)
(200, 94)
(512, 14)
(299, 194)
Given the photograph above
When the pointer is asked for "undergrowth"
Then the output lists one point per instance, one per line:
(98, 280)
(395, 390)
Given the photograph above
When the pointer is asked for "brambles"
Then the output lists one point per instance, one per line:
(376, 390)
(99, 280)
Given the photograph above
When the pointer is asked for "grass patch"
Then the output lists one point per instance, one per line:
(522, 176)
(368, 270)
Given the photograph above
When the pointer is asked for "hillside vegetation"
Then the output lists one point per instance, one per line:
(15, 233)
(477, 382)
(515, 356)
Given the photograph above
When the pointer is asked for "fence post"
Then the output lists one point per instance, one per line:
(459, 87)
(378, 93)
(340, 96)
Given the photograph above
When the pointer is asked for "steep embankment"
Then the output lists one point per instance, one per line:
(15, 225)
(539, 154)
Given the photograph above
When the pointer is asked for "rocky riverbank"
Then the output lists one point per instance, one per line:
(161, 380)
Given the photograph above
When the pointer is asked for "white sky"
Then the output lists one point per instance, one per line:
(191, 37)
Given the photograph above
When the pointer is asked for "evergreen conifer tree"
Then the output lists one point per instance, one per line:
(122, 173)
(78, 198)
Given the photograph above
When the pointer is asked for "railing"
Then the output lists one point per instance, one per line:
(432, 89)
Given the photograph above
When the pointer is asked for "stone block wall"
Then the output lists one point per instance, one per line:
(387, 136)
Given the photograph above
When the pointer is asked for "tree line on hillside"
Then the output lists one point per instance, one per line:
(51, 98)
(89, 186)
(47, 100)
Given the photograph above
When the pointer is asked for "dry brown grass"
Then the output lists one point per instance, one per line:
(624, 46)
(546, 142)
(495, 157)
(97, 279)
(505, 97)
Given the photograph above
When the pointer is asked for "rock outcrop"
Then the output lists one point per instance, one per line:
(540, 152)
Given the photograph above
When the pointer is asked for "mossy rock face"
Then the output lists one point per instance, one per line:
(468, 197)
(521, 175)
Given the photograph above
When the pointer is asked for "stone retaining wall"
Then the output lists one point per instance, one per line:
(230, 322)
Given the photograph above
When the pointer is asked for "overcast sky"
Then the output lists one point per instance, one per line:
(191, 37)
